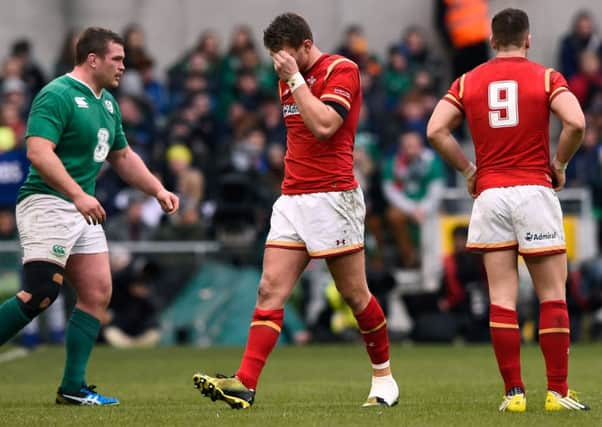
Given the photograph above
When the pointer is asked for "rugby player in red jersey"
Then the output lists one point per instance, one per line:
(507, 102)
(320, 213)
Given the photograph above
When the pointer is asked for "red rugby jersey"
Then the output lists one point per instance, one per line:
(311, 165)
(506, 102)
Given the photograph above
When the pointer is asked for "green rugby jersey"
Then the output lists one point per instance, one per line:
(85, 128)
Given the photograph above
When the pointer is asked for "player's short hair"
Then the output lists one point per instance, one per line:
(95, 40)
(288, 29)
(510, 27)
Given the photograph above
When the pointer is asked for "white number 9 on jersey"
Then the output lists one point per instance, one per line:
(503, 96)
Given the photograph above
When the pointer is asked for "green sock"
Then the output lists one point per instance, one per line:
(80, 338)
(12, 319)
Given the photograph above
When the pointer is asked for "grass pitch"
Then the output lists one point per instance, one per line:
(308, 386)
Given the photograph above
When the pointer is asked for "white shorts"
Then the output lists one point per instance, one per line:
(51, 229)
(527, 217)
(323, 224)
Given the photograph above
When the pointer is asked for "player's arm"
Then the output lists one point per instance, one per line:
(566, 107)
(444, 119)
(40, 152)
(321, 119)
(130, 167)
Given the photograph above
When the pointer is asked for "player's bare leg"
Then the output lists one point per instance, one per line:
(281, 270)
(502, 275)
(549, 274)
(90, 277)
(349, 273)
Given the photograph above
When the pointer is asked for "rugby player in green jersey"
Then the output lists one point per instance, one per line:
(73, 127)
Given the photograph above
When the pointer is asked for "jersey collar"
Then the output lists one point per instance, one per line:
(86, 85)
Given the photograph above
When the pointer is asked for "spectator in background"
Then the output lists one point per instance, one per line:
(134, 308)
(464, 27)
(154, 90)
(135, 46)
(582, 37)
(178, 159)
(396, 77)
(138, 123)
(66, 59)
(10, 117)
(271, 121)
(586, 83)
(355, 46)
(130, 225)
(412, 185)
(419, 55)
(464, 288)
(585, 170)
(14, 92)
(13, 167)
(31, 72)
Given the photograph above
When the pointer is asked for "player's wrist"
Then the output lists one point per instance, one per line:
(295, 81)
(469, 171)
(558, 165)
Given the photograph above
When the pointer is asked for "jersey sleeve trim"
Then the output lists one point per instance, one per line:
(557, 92)
(461, 92)
(454, 101)
(336, 98)
(334, 64)
(547, 76)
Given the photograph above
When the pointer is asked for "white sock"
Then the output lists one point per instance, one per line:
(386, 388)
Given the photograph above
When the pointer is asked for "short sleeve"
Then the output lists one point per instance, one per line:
(48, 117)
(120, 141)
(455, 93)
(342, 83)
(555, 83)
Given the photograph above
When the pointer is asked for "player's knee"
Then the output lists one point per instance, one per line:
(267, 291)
(41, 286)
(356, 298)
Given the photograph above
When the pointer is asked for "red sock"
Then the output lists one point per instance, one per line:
(373, 327)
(505, 336)
(554, 340)
(263, 335)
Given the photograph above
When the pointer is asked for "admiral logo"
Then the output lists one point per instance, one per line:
(540, 236)
(81, 102)
(342, 92)
(289, 110)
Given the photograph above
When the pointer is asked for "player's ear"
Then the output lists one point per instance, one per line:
(92, 60)
(492, 42)
(307, 44)
(528, 41)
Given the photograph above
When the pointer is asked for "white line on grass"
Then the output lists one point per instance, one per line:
(14, 354)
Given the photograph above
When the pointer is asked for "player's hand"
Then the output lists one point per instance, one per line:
(284, 64)
(558, 177)
(90, 208)
(169, 201)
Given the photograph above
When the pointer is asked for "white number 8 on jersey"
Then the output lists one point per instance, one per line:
(507, 103)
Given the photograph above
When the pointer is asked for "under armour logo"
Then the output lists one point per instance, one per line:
(340, 242)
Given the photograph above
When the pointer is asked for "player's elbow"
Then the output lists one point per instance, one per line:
(575, 124)
(324, 133)
(435, 131)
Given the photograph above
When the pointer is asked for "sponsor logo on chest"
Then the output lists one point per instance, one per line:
(81, 102)
(289, 110)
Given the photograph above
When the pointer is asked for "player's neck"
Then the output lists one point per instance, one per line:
(511, 53)
(82, 75)
(314, 55)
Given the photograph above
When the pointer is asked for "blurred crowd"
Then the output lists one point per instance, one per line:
(211, 127)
